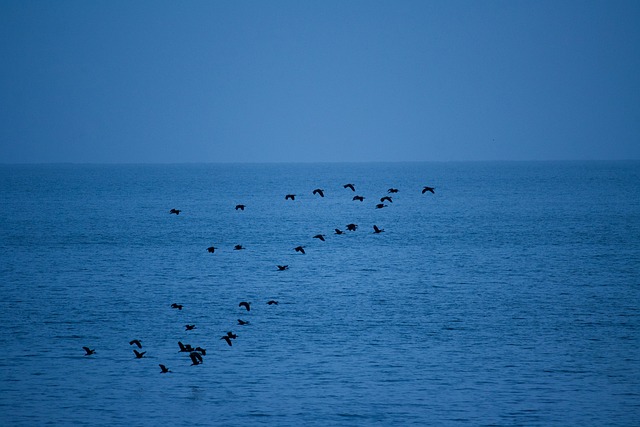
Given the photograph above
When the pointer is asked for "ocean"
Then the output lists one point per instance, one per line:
(508, 297)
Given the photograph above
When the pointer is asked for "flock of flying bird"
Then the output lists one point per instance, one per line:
(196, 353)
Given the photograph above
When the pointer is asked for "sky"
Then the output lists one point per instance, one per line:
(318, 81)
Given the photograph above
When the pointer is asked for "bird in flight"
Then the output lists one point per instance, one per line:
(185, 348)
(136, 342)
(245, 305)
(318, 191)
(283, 267)
(227, 339)
(240, 207)
(238, 247)
(242, 322)
(196, 358)
(387, 198)
(380, 206)
(175, 211)
(272, 302)
(392, 190)
(352, 227)
(178, 306)
(350, 186)
(163, 369)
(211, 249)
(299, 249)
(358, 198)
(338, 231)
(290, 196)
(201, 350)
(319, 236)
(377, 230)
(429, 189)
(139, 355)
(88, 351)
(189, 327)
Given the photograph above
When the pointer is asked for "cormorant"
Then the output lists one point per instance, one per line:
(352, 227)
(359, 198)
(178, 306)
(319, 236)
(211, 249)
(189, 327)
(88, 351)
(139, 355)
(387, 198)
(245, 305)
(163, 369)
(290, 196)
(430, 189)
(238, 247)
(380, 206)
(174, 211)
(227, 339)
(318, 191)
(243, 322)
(136, 342)
(299, 249)
(377, 230)
(392, 190)
(338, 231)
(196, 358)
(283, 267)
(241, 207)
(350, 186)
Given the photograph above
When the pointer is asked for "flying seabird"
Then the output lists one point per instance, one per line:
(196, 358)
(359, 198)
(318, 191)
(272, 302)
(377, 230)
(211, 249)
(185, 348)
(245, 305)
(299, 249)
(350, 186)
(88, 351)
(241, 207)
(430, 189)
(290, 196)
(380, 206)
(392, 190)
(201, 350)
(189, 327)
(243, 322)
(136, 342)
(163, 368)
(282, 267)
(338, 231)
(319, 236)
(174, 211)
(178, 306)
(232, 335)
(139, 355)
(352, 227)
(238, 247)
(227, 339)
(387, 198)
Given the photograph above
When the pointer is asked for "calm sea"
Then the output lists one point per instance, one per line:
(509, 297)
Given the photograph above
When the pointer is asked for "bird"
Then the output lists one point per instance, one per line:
(377, 230)
(185, 348)
(350, 186)
(189, 327)
(175, 211)
(139, 355)
(238, 247)
(211, 249)
(136, 342)
(359, 198)
(338, 231)
(240, 207)
(243, 322)
(272, 302)
(299, 249)
(246, 305)
(392, 190)
(318, 191)
(430, 189)
(227, 339)
(232, 335)
(196, 358)
(290, 196)
(352, 227)
(201, 350)
(88, 351)
(178, 306)
(282, 267)
(319, 236)
(163, 369)
(380, 206)
(387, 198)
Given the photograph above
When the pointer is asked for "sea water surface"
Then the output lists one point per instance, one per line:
(511, 296)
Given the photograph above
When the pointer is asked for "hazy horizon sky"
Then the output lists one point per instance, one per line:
(325, 81)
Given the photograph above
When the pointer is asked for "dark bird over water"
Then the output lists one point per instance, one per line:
(241, 207)
(196, 358)
(272, 302)
(178, 306)
(136, 342)
(338, 231)
(352, 227)
(299, 249)
(163, 369)
(245, 305)
(232, 335)
(88, 351)
(392, 190)
(211, 249)
(377, 230)
(359, 198)
(318, 191)
(290, 196)
(283, 267)
(227, 339)
(430, 189)
(387, 198)
(319, 236)
(380, 206)
(185, 348)
(175, 211)
(242, 322)
(201, 350)
(139, 355)
(350, 186)
(189, 327)
(238, 247)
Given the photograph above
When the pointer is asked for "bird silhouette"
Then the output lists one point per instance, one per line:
(429, 189)
(245, 305)
(189, 327)
(232, 335)
(387, 198)
(175, 211)
(196, 358)
(350, 186)
(318, 191)
(227, 339)
(380, 206)
(139, 355)
(299, 249)
(88, 351)
(338, 231)
(377, 230)
(211, 249)
(238, 247)
(240, 207)
(319, 236)
(136, 342)
(185, 348)
(201, 350)
(163, 369)
(282, 267)
(358, 198)
(352, 227)
(242, 322)
(272, 302)
(290, 197)
(392, 190)
(178, 306)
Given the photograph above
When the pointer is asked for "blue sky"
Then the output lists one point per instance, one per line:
(305, 81)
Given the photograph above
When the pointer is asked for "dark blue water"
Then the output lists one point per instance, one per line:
(511, 296)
